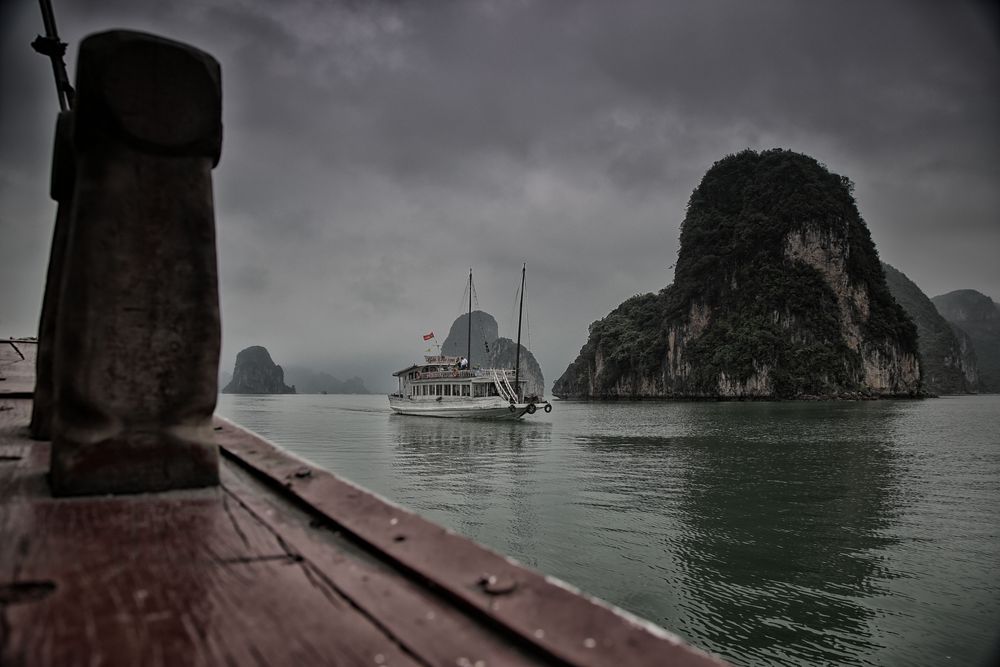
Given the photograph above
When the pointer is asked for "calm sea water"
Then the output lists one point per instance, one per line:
(770, 533)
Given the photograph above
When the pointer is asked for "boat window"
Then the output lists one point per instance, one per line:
(465, 390)
(447, 390)
(437, 390)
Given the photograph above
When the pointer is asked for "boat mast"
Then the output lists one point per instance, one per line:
(517, 353)
(468, 346)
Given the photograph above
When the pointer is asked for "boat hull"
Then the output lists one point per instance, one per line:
(463, 410)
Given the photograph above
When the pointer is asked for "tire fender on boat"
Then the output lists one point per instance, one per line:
(531, 408)
(548, 408)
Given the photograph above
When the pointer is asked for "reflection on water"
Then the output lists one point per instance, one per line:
(771, 533)
(478, 471)
(783, 524)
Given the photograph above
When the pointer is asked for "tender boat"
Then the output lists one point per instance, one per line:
(444, 386)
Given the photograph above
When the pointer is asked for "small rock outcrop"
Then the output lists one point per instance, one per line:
(778, 293)
(256, 373)
(977, 316)
(491, 351)
(949, 366)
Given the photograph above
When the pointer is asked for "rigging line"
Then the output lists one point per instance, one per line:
(511, 322)
(527, 329)
(464, 299)
(527, 324)
(482, 330)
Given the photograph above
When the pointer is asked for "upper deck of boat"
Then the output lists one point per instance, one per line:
(447, 368)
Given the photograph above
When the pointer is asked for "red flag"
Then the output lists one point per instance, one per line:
(429, 336)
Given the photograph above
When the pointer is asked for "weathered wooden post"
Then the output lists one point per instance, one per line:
(138, 332)
(61, 190)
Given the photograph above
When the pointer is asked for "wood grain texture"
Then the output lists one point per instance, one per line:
(17, 366)
(283, 564)
(226, 576)
(539, 611)
(425, 623)
(186, 577)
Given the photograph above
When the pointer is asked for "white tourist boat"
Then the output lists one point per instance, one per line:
(443, 386)
(439, 388)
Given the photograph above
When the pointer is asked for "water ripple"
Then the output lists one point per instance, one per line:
(772, 533)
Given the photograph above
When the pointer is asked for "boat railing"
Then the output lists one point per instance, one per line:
(511, 394)
(455, 374)
(451, 374)
(503, 386)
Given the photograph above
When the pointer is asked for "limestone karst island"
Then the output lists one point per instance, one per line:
(778, 293)
(489, 350)
(256, 372)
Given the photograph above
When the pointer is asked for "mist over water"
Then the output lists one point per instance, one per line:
(770, 533)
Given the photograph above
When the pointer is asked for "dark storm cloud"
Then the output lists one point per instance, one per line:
(374, 151)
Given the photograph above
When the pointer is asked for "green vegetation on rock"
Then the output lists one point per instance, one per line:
(977, 316)
(778, 293)
(947, 368)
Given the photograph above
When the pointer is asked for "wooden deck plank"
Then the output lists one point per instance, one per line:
(426, 624)
(212, 576)
(538, 610)
(170, 612)
(17, 366)
(187, 577)
(15, 447)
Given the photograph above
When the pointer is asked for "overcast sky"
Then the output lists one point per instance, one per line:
(373, 152)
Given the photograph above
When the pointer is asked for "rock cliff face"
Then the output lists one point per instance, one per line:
(256, 373)
(778, 293)
(978, 317)
(491, 351)
(968, 352)
(949, 366)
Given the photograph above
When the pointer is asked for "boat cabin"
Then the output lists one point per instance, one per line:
(443, 376)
